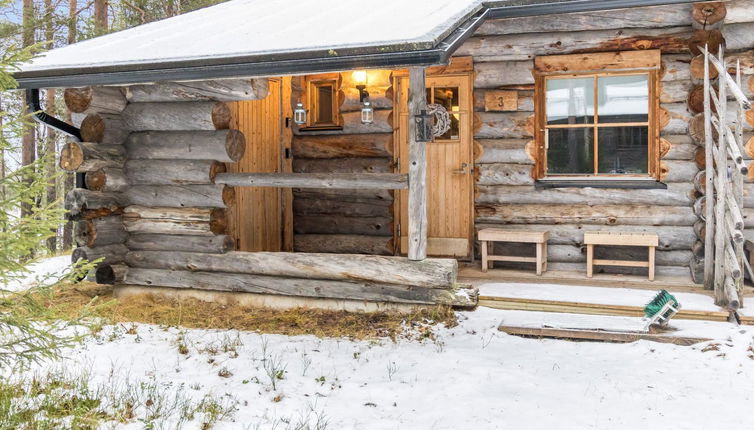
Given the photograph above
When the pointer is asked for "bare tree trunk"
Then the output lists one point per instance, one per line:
(68, 178)
(100, 16)
(50, 143)
(28, 140)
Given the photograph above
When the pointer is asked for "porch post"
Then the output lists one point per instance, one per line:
(417, 169)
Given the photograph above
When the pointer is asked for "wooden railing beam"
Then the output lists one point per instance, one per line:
(349, 181)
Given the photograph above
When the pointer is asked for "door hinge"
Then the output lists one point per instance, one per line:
(399, 229)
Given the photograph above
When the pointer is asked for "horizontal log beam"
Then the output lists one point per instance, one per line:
(618, 214)
(217, 244)
(95, 100)
(181, 196)
(260, 284)
(429, 273)
(221, 90)
(343, 244)
(343, 146)
(374, 181)
(81, 203)
(227, 146)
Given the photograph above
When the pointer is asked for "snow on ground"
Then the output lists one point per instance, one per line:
(40, 271)
(471, 376)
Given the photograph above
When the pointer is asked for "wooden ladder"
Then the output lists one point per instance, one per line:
(725, 170)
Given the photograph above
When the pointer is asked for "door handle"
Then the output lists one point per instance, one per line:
(462, 171)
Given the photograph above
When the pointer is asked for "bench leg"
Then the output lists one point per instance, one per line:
(539, 259)
(589, 260)
(651, 263)
(544, 257)
(483, 245)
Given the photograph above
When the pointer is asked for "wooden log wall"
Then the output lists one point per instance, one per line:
(97, 211)
(150, 155)
(350, 221)
(505, 196)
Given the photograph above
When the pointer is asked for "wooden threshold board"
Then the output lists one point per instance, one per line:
(472, 274)
(521, 304)
(598, 335)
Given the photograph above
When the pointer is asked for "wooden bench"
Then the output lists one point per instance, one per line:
(591, 238)
(488, 236)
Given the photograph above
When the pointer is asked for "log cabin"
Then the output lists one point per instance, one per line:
(310, 153)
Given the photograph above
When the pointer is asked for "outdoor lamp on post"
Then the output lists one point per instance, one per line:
(367, 112)
(299, 114)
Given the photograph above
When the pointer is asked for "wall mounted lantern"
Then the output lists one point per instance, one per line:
(367, 113)
(299, 114)
(360, 79)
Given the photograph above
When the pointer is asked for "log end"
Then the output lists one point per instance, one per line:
(93, 128)
(96, 180)
(71, 156)
(229, 196)
(697, 68)
(214, 169)
(221, 116)
(218, 221)
(85, 233)
(235, 145)
(713, 39)
(708, 13)
(78, 99)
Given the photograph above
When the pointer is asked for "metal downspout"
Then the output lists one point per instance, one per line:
(35, 108)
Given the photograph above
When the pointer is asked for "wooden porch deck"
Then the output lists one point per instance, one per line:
(604, 294)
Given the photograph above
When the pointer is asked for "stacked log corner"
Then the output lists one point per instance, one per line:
(150, 154)
(181, 138)
(502, 51)
(346, 221)
(96, 211)
(708, 19)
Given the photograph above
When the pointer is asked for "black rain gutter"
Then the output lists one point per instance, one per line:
(320, 61)
(35, 108)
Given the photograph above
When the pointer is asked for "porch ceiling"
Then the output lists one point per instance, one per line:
(276, 37)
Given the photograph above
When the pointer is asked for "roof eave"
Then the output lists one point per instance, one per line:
(277, 64)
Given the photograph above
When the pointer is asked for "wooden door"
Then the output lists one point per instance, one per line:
(449, 168)
(256, 219)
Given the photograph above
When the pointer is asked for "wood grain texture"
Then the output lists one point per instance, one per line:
(428, 273)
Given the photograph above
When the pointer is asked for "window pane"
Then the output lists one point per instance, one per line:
(623, 150)
(324, 104)
(448, 98)
(570, 101)
(623, 98)
(570, 151)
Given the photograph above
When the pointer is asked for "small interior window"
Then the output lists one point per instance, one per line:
(323, 95)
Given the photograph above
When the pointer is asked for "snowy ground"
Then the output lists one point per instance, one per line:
(40, 272)
(470, 377)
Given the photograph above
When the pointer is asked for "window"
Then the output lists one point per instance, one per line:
(323, 104)
(597, 124)
(448, 98)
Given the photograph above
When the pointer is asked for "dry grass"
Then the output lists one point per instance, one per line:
(70, 300)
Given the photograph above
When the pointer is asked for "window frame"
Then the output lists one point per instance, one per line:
(598, 65)
(312, 100)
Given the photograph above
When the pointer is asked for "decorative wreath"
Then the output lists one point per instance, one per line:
(441, 123)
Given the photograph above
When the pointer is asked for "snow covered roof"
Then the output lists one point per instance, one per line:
(275, 37)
